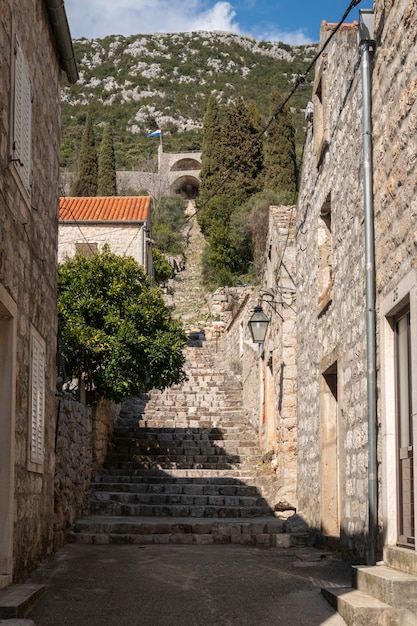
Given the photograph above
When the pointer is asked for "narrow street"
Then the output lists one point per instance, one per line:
(172, 575)
(189, 585)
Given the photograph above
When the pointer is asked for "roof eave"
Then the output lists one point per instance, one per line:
(59, 23)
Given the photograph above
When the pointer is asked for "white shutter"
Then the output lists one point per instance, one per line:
(22, 118)
(38, 402)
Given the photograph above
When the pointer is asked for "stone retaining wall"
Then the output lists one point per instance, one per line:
(83, 434)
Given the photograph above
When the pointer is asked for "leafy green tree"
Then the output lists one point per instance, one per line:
(86, 181)
(106, 183)
(115, 330)
(280, 152)
(161, 267)
(168, 221)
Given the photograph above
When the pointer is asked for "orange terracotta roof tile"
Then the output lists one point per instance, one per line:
(105, 208)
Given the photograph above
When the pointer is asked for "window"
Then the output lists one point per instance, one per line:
(86, 249)
(22, 117)
(37, 407)
(320, 119)
(325, 248)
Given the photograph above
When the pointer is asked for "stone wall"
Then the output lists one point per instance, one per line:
(82, 440)
(123, 240)
(395, 141)
(268, 373)
(395, 192)
(28, 227)
(331, 338)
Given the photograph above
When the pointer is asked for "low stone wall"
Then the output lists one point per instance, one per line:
(82, 439)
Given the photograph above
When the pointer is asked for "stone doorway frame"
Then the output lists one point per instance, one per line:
(8, 341)
(403, 294)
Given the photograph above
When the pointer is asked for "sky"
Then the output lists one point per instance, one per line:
(294, 22)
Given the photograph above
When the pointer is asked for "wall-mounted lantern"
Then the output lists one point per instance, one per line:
(258, 325)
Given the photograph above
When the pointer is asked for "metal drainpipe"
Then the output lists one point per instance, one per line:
(370, 299)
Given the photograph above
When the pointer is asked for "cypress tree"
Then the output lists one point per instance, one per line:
(86, 181)
(280, 155)
(239, 156)
(210, 174)
(106, 183)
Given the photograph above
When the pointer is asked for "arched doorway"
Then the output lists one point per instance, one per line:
(186, 186)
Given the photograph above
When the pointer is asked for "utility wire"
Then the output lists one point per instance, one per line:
(299, 81)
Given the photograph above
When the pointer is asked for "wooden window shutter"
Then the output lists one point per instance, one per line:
(22, 118)
(38, 402)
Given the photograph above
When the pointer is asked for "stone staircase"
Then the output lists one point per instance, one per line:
(184, 467)
(381, 595)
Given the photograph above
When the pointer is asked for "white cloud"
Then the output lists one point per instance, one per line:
(98, 18)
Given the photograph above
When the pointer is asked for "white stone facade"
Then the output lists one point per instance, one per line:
(124, 240)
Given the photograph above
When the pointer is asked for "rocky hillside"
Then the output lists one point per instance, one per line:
(144, 82)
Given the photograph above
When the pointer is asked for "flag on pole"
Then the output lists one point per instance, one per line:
(156, 133)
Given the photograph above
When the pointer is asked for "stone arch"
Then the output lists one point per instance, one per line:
(186, 186)
(185, 164)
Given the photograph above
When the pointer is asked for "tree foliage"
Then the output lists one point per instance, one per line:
(168, 221)
(115, 330)
(234, 216)
(85, 183)
(161, 268)
(280, 155)
(106, 182)
(210, 174)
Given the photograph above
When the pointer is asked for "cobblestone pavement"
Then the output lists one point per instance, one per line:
(187, 586)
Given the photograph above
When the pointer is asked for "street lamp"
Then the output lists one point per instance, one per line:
(258, 325)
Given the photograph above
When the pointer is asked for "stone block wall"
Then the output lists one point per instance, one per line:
(28, 243)
(268, 374)
(394, 94)
(395, 142)
(331, 338)
(83, 434)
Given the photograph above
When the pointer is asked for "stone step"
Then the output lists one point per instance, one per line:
(174, 498)
(186, 488)
(223, 480)
(265, 532)
(396, 588)
(176, 510)
(359, 609)
(179, 443)
(177, 464)
(239, 474)
(182, 448)
(17, 601)
(240, 432)
(145, 456)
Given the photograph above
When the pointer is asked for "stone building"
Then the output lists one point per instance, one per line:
(394, 117)
(35, 47)
(122, 222)
(331, 335)
(268, 371)
(334, 260)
